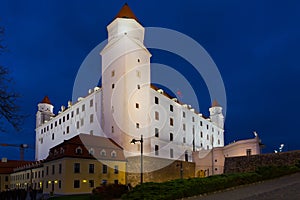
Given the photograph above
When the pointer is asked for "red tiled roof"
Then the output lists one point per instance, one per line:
(126, 12)
(46, 100)
(7, 167)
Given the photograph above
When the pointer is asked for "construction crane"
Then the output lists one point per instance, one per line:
(21, 146)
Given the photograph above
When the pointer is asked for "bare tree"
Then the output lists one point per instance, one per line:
(9, 110)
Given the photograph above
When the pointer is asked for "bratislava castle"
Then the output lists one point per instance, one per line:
(127, 105)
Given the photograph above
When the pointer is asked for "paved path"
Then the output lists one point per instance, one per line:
(287, 188)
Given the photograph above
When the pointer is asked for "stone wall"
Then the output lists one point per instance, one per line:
(164, 170)
(250, 163)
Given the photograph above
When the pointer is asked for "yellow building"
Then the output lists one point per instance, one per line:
(82, 163)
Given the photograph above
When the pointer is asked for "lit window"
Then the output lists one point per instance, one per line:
(156, 100)
(156, 115)
(156, 150)
(156, 132)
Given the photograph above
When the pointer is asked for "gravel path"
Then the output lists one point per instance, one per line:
(287, 188)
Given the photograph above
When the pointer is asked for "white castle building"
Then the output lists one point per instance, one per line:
(127, 105)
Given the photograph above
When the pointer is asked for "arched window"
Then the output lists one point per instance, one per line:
(78, 150)
(113, 154)
(103, 152)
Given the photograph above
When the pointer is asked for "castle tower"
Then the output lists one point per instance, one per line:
(216, 114)
(125, 80)
(45, 111)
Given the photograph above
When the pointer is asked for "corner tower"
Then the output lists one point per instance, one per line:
(216, 114)
(125, 80)
(45, 111)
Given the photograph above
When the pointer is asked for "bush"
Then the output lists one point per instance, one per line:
(110, 191)
(181, 188)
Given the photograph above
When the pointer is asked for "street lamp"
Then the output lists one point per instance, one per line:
(133, 141)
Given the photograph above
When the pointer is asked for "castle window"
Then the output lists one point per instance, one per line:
(138, 60)
(138, 87)
(59, 121)
(138, 73)
(64, 118)
(77, 111)
(248, 152)
(113, 154)
(47, 128)
(183, 140)
(156, 148)
(78, 150)
(51, 126)
(218, 141)
(137, 105)
(103, 152)
(83, 107)
(207, 147)
(193, 119)
(72, 114)
(183, 114)
(68, 116)
(156, 115)
(91, 132)
(213, 129)
(201, 134)
(156, 100)
(91, 151)
(201, 123)
(113, 86)
(171, 136)
(156, 132)
(183, 127)
(104, 169)
(171, 121)
(207, 127)
(91, 118)
(137, 125)
(76, 184)
(116, 169)
(82, 122)
(42, 140)
(77, 124)
(171, 108)
(52, 136)
(171, 153)
(91, 168)
(201, 145)
(112, 73)
(68, 129)
(62, 151)
(207, 137)
(91, 102)
(41, 131)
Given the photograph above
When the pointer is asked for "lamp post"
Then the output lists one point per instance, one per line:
(133, 141)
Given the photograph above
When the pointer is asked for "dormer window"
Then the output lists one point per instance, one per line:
(113, 154)
(103, 152)
(78, 150)
(55, 152)
(91, 151)
(62, 151)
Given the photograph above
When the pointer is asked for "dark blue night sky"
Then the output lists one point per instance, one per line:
(255, 45)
